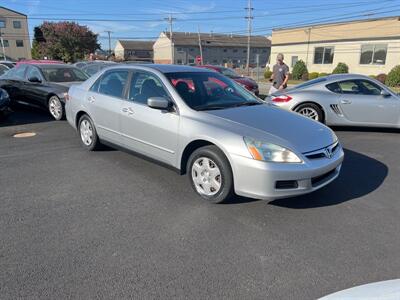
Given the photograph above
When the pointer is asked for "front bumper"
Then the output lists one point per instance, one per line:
(257, 179)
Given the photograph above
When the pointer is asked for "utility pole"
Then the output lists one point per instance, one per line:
(308, 31)
(170, 20)
(109, 41)
(200, 46)
(249, 18)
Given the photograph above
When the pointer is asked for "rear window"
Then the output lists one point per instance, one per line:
(334, 87)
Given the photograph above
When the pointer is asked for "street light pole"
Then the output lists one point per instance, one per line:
(109, 42)
(249, 18)
(170, 20)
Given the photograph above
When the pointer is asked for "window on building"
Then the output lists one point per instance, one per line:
(2, 23)
(244, 51)
(179, 49)
(373, 54)
(17, 24)
(225, 50)
(179, 61)
(264, 51)
(6, 44)
(191, 60)
(323, 55)
(215, 61)
(191, 49)
(255, 50)
(235, 50)
(19, 43)
(294, 60)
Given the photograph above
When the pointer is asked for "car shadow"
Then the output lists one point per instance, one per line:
(365, 129)
(21, 115)
(360, 175)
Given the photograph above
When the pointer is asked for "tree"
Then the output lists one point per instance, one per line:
(299, 70)
(393, 78)
(341, 68)
(66, 41)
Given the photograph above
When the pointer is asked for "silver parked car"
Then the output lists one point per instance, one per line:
(206, 125)
(343, 99)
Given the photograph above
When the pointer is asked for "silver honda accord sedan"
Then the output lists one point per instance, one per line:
(343, 99)
(205, 125)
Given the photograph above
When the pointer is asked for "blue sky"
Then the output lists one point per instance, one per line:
(144, 19)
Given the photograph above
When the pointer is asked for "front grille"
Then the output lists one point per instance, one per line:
(315, 181)
(321, 153)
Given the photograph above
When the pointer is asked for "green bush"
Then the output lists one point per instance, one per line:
(299, 69)
(267, 74)
(313, 75)
(341, 68)
(322, 74)
(393, 78)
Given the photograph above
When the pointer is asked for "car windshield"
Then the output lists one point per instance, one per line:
(229, 72)
(210, 90)
(63, 74)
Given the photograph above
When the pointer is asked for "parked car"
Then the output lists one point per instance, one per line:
(38, 61)
(92, 69)
(4, 101)
(247, 82)
(225, 138)
(343, 99)
(41, 85)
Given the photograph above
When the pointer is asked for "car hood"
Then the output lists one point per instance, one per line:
(293, 130)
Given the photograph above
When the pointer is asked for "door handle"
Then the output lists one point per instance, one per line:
(91, 99)
(128, 110)
(345, 101)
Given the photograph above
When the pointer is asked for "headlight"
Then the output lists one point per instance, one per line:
(270, 152)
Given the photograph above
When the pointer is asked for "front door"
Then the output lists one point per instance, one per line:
(149, 131)
(104, 101)
(362, 103)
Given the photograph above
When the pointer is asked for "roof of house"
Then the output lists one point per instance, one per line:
(136, 45)
(217, 39)
(17, 12)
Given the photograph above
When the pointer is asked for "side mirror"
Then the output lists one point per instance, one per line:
(34, 79)
(159, 103)
(385, 93)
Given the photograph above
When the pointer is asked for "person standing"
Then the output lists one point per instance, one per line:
(280, 75)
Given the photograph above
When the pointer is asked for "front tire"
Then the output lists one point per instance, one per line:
(87, 133)
(311, 111)
(210, 174)
(56, 108)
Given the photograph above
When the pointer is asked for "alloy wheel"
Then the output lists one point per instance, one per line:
(309, 112)
(86, 132)
(206, 176)
(55, 108)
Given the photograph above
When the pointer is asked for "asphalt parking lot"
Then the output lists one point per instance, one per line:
(107, 224)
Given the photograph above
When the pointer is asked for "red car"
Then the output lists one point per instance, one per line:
(248, 83)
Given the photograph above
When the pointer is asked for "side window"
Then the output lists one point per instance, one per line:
(369, 88)
(113, 83)
(334, 87)
(33, 72)
(20, 72)
(144, 86)
(349, 87)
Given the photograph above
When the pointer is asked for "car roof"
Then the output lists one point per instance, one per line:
(45, 66)
(167, 68)
(336, 77)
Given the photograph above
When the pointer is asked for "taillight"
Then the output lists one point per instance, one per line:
(282, 98)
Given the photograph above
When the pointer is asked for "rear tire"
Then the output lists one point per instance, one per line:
(210, 174)
(56, 108)
(88, 134)
(311, 111)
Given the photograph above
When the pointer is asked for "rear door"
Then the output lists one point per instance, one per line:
(146, 130)
(362, 103)
(104, 101)
(13, 82)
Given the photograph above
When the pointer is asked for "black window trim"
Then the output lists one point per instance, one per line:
(356, 81)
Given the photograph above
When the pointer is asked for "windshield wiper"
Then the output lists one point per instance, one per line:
(247, 103)
(211, 107)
